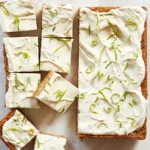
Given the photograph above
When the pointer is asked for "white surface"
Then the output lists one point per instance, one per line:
(49, 121)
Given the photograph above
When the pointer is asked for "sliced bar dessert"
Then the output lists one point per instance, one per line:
(56, 92)
(57, 20)
(49, 142)
(113, 50)
(17, 15)
(20, 88)
(16, 130)
(56, 54)
(21, 54)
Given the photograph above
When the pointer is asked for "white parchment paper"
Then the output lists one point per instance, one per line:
(49, 121)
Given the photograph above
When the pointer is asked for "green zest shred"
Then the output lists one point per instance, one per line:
(112, 27)
(17, 23)
(124, 96)
(36, 44)
(18, 143)
(132, 80)
(58, 49)
(133, 103)
(46, 91)
(54, 28)
(59, 94)
(106, 88)
(112, 35)
(49, 84)
(102, 124)
(110, 79)
(89, 29)
(18, 83)
(5, 10)
(132, 24)
(118, 108)
(31, 132)
(118, 49)
(25, 55)
(106, 14)
(100, 75)
(24, 120)
(103, 95)
(53, 14)
(115, 51)
(120, 123)
(20, 67)
(97, 21)
(38, 143)
(133, 121)
(103, 49)
(81, 96)
(63, 110)
(108, 110)
(113, 96)
(14, 130)
(92, 106)
(41, 63)
(88, 70)
(108, 64)
(135, 55)
(95, 42)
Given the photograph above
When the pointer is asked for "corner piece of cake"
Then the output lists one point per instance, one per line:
(56, 92)
(21, 54)
(17, 15)
(16, 130)
(56, 54)
(112, 72)
(20, 88)
(57, 20)
(49, 142)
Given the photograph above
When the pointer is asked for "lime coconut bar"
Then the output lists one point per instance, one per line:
(17, 15)
(21, 87)
(57, 20)
(56, 54)
(49, 142)
(111, 70)
(56, 92)
(18, 131)
(21, 54)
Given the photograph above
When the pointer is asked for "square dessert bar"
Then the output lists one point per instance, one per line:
(20, 88)
(56, 54)
(56, 92)
(49, 142)
(16, 130)
(21, 54)
(57, 20)
(17, 15)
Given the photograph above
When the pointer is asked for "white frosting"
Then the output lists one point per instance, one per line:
(57, 20)
(22, 54)
(58, 93)
(56, 54)
(18, 131)
(21, 89)
(110, 65)
(17, 15)
(49, 142)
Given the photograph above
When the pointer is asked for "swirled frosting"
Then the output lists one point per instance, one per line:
(111, 70)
